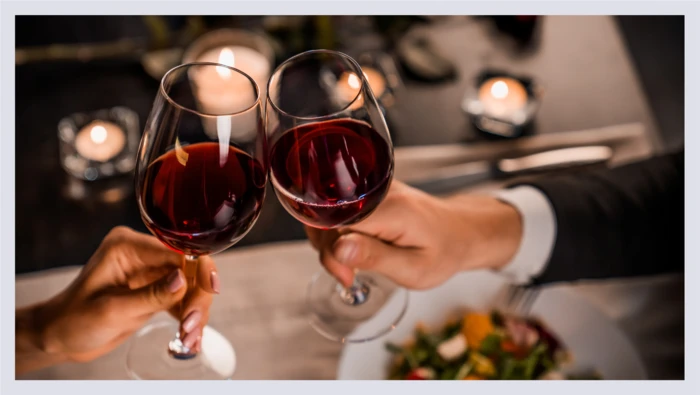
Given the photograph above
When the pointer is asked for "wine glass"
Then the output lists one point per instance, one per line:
(331, 164)
(200, 182)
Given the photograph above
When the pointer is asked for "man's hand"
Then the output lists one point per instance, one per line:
(420, 241)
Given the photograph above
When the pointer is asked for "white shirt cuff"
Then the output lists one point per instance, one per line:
(539, 233)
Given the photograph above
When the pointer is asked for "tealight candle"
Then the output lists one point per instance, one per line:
(246, 59)
(99, 144)
(502, 104)
(100, 141)
(349, 83)
(220, 89)
(501, 96)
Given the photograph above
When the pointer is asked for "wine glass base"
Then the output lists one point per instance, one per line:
(336, 318)
(148, 356)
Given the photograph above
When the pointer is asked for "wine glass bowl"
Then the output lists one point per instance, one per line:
(200, 183)
(205, 205)
(331, 156)
(201, 172)
(335, 173)
(331, 164)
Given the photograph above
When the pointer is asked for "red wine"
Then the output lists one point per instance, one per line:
(331, 173)
(201, 199)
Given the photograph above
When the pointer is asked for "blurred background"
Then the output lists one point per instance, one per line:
(578, 73)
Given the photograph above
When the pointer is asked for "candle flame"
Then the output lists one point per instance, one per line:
(499, 89)
(226, 57)
(353, 81)
(98, 134)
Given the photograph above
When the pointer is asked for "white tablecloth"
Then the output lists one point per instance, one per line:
(261, 310)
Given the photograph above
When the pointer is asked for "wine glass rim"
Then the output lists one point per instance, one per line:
(172, 101)
(306, 53)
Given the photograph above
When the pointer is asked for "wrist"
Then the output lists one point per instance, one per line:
(491, 231)
(508, 234)
(538, 224)
(32, 350)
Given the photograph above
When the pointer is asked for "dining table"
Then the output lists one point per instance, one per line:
(261, 308)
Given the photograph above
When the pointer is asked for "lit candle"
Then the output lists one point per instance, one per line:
(220, 89)
(349, 84)
(502, 96)
(376, 81)
(247, 60)
(100, 141)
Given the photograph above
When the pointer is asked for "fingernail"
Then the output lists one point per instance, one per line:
(191, 338)
(215, 284)
(199, 343)
(191, 321)
(345, 250)
(175, 281)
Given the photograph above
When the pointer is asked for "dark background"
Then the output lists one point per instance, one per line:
(597, 71)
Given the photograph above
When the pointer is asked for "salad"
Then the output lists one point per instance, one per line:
(482, 346)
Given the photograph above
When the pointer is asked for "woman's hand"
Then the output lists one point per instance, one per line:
(420, 241)
(130, 277)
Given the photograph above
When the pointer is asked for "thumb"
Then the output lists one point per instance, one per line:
(157, 296)
(358, 251)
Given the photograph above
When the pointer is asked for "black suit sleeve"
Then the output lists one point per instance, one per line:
(620, 222)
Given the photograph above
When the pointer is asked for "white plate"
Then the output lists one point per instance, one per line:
(593, 338)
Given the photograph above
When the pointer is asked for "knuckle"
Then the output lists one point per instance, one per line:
(120, 231)
(118, 235)
(155, 296)
(400, 190)
(394, 196)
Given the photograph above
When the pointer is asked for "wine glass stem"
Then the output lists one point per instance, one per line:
(356, 294)
(176, 347)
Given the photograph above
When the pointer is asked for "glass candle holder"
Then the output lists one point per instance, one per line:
(100, 144)
(501, 103)
(382, 75)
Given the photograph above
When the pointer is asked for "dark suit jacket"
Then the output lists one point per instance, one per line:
(625, 221)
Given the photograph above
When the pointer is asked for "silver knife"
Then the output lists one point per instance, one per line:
(451, 178)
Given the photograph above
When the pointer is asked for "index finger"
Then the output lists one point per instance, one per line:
(136, 252)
